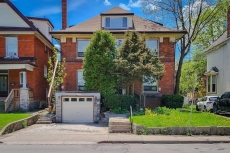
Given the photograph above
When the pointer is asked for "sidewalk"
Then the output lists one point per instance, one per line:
(110, 138)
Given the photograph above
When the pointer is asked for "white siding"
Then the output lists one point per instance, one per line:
(43, 27)
(220, 59)
(9, 18)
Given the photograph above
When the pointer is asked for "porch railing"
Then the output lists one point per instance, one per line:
(14, 93)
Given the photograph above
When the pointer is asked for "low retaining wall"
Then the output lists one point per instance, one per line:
(17, 125)
(212, 130)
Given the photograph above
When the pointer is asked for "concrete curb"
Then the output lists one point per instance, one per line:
(23, 123)
(165, 142)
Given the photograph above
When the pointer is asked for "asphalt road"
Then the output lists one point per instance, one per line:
(118, 148)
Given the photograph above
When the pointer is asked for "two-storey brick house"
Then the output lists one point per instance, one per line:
(25, 46)
(74, 40)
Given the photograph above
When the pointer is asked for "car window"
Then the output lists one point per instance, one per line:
(212, 98)
(225, 95)
(204, 99)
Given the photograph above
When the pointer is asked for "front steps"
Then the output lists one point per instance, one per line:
(119, 125)
(45, 118)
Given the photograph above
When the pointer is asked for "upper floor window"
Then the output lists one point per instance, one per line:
(11, 47)
(153, 45)
(116, 22)
(81, 47)
(211, 84)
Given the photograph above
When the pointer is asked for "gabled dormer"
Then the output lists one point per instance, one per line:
(117, 18)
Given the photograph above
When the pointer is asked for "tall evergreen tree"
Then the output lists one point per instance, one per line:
(136, 60)
(98, 63)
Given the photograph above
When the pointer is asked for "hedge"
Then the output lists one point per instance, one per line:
(172, 101)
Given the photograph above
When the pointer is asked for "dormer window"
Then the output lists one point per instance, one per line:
(116, 22)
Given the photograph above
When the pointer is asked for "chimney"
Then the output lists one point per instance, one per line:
(228, 22)
(64, 14)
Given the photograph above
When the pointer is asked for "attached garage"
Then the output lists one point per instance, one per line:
(77, 107)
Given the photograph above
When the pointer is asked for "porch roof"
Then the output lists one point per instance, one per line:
(17, 63)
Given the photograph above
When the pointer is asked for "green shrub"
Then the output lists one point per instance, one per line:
(172, 101)
(120, 103)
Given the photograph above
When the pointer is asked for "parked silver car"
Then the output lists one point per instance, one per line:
(206, 103)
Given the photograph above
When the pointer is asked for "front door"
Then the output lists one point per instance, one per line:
(3, 85)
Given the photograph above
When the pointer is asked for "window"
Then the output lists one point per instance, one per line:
(116, 22)
(153, 45)
(81, 47)
(211, 84)
(11, 47)
(65, 99)
(119, 42)
(107, 22)
(80, 81)
(74, 99)
(150, 85)
(45, 71)
(81, 99)
(89, 99)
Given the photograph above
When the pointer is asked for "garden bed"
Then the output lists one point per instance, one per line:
(180, 121)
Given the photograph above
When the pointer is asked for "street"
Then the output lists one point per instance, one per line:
(118, 148)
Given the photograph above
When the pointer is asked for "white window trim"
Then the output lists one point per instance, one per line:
(157, 52)
(211, 83)
(111, 17)
(77, 57)
(7, 48)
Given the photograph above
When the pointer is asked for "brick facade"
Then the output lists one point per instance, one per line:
(29, 46)
(166, 50)
(69, 52)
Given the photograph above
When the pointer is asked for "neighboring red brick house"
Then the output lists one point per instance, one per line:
(25, 45)
(74, 39)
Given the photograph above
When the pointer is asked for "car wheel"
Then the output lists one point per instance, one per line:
(197, 108)
(205, 109)
(215, 109)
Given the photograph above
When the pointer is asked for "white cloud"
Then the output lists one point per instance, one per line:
(125, 7)
(134, 4)
(106, 2)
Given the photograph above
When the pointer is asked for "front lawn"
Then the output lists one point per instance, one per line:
(164, 117)
(6, 118)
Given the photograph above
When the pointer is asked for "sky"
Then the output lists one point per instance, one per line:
(78, 10)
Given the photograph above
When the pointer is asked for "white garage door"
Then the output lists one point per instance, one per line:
(77, 109)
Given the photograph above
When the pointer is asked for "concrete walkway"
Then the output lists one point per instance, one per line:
(93, 134)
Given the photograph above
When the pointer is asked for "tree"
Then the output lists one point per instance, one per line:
(98, 63)
(59, 72)
(136, 60)
(191, 16)
(190, 68)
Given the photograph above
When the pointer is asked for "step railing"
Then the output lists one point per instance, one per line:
(14, 93)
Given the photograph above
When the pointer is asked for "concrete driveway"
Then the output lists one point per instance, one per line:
(58, 133)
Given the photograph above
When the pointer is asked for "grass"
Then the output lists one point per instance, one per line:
(6, 118)
(164, 117)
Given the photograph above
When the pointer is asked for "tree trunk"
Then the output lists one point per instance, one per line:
(178, 74)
